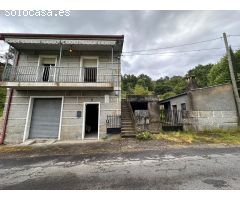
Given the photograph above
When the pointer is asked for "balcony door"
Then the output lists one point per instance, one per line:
(46, 68)
(90, 70)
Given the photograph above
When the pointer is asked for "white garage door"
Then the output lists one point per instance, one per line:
(45, 118)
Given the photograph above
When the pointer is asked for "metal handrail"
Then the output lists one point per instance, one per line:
(132, 115)
(55, 74)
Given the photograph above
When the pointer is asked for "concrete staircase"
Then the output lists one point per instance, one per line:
(128, 123)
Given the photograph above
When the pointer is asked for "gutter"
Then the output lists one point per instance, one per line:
(62, 36)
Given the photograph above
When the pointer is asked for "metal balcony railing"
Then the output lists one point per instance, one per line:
(58, 74)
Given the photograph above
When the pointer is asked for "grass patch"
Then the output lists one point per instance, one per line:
(13, 149)
(217, 136)
(2, 99)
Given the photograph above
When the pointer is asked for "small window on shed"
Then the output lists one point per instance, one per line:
(183, 106)
(174, 107)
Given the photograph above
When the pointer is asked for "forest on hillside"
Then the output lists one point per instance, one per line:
(165, 87)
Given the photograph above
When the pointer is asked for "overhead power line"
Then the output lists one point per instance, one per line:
(169, 47)
(173, 52)
(176, 52)
(233, 35)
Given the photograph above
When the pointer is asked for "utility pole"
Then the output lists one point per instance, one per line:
(232, 75)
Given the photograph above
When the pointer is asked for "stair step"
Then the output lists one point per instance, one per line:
(128, 135)
(127, 125)
(130, 130)
(127, 130)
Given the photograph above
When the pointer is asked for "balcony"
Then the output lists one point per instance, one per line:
(58, 78)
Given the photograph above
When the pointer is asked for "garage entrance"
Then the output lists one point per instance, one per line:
(45, 118)
(91, 121)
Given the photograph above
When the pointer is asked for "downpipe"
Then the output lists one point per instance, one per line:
(3, 134)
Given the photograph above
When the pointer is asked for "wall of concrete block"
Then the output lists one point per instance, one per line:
(218, 97)
(209, 108)
(207, 120)
(71, 127)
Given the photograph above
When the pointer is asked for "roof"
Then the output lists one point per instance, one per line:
(166, 100)
(66, 36)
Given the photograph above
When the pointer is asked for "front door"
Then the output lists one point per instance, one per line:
(91, 121)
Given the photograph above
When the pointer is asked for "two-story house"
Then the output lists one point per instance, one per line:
(63, 87)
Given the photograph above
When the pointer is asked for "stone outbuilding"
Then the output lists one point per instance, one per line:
(203, 108)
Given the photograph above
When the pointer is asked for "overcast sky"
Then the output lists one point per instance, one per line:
(145, 30)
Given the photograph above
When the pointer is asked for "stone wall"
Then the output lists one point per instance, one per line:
(206, 120)
(212, 107)
(218, 97)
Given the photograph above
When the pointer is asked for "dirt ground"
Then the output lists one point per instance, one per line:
(78, 148)
(89, 147)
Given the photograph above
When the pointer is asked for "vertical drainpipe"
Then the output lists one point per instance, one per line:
(3, 135)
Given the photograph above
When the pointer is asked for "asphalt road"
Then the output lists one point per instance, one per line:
(179, 168)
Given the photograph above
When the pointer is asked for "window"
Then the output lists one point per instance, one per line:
(174, 107)
(183, 106)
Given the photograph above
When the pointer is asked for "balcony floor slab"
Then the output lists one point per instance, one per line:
(56, 86)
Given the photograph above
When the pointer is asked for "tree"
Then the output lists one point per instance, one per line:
(178, 84)
(201, 72)
(8, 56)
(162, 88)
(146, 81)
(219, 73)
(128, 83)
(140, 90)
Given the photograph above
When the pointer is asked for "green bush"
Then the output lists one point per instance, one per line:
(144, 135)
(2, 99)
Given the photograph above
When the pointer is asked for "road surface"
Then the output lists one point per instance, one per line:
(172, 168)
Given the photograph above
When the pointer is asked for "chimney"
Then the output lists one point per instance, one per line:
(191, 83)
